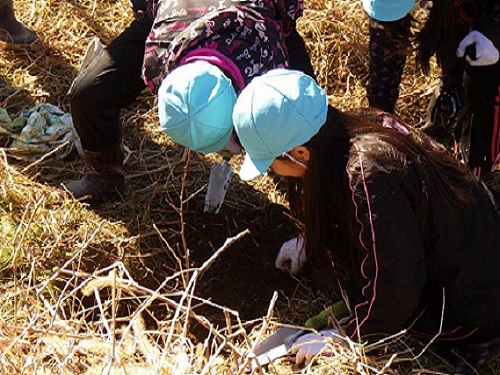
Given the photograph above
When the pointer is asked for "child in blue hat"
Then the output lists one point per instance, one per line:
(197, 56)
(389, 217)
(464, 36)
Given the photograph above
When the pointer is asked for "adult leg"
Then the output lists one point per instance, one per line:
(16, 32)
(388, 47)
(108, 84)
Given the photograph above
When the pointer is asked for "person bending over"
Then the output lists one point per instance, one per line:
(196, 55)
(405, 230)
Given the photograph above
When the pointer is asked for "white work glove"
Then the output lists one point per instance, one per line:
(292, 255)
(93, 50)
(486, 52)
(308, 346)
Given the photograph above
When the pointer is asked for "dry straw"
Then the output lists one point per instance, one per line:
(75, 297)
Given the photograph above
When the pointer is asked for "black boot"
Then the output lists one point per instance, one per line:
(14, 31)
(105, 181)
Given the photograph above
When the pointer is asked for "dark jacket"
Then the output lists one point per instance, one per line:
(415, 260)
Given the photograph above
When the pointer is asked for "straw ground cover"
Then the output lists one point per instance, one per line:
(150, 284)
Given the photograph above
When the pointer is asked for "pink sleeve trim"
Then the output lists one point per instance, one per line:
(215, 57)
(373, 248)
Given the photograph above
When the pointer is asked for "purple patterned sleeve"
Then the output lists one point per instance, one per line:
(295, 8)
(287, 12)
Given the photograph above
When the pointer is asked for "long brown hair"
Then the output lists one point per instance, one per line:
(323, 198)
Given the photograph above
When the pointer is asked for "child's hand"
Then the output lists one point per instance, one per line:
(310, 345)
(292, 255)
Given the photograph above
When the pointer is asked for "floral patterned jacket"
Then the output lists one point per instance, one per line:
(243, 37)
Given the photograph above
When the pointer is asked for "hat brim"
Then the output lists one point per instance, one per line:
(251, 169)
(388, 11)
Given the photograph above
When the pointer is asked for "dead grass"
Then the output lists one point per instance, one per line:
(116, 290)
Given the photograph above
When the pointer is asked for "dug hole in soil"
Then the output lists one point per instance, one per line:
(243, 278)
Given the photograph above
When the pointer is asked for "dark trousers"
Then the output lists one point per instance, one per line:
(111, 82)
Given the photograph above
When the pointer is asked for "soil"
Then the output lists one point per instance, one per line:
(243, 278)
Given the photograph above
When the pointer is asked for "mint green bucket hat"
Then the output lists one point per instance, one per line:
(275, 113)
(388, 10)
(195, 106)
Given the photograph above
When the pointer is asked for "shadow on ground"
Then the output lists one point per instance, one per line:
(243, 278)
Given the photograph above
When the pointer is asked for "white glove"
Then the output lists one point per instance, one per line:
(292, 255)
(308, 346)
(93, 50)
(486, 52)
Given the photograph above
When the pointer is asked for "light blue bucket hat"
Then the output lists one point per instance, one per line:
(275, 113)
(195, 104)
(388, 10)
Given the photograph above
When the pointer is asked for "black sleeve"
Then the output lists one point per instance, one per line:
(299, 58)
(391, 260)
(490, 25)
